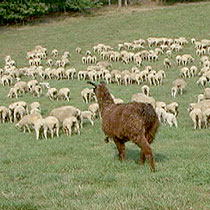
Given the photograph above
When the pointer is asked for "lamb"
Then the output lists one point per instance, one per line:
(200, 97)
(52, 93)
(145, 90)
(206, 117)
(136, 122)
(45, 85)
(19, 112)
(69, 124)
(167, 63)
(87, 94)
(202, 81)
(37, 90)
(28, 120)
(70, 73)
(196, 116)
(170, 119)
(66, 111)
(140, 97)
(31, 84)
(21, 87)
(94, 108)
(13, 92)
(180, 85)
(50, 123)
(206, 93)
(4, 113)
(88, 115)
(63, 93)
(6, 80)
(173, 108)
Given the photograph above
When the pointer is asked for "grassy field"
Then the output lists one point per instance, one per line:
(82, 172)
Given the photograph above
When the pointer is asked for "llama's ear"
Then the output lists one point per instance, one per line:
(89, 82)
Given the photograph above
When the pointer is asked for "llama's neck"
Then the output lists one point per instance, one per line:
(105, 102)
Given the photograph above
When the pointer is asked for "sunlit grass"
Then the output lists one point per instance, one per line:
(82, 172)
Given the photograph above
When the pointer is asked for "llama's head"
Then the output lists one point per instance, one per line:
(101, 91)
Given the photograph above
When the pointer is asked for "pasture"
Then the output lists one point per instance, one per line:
(82, 172)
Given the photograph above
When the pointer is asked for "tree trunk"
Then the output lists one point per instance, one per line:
(119, 3)
(126, 3)
(109, 2)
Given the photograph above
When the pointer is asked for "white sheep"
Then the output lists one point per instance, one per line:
(145, 90)
(202, 81)
(37, 90)
(45, 85)
(54, 53)
(167, 63)
(173, 108)
(4, 114)
(70, 73)
(88, 115)
(63, 93)
(19, 112)
(140, 97)
(69, 124)
(31, 84)
(6, 80)
(170, 119)
(87, 94)
(180, 84)
(13, 92)
(200, 97)
(27, 120)
(206, 117)
(196, 116)
(66, 111)
(52, 93)
(94, 108)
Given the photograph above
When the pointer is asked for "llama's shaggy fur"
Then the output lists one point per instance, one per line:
(136, 122)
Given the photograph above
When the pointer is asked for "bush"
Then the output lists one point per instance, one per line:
(16, 12)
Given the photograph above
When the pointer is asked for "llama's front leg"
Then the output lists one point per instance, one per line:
(121, 148)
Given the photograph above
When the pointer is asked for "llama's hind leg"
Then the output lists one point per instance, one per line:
(121, 148)
(146, 152)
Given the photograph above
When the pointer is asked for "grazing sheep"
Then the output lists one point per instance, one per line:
(145, 90)
(196, 116)
(88, 115)
(136, 122)
(70, 73)
(37, 90)
(52, 93)
(140, 97)
(13, 92)
(167, 63)
(206, 93)
(180, 84)
(87, 94)
(202, 81)
(21, 87)
(31, 84)
(66, 111)
(19, 112)
(170, 119)
(6, 80)
(45, 85)
(94, 108)
(28, 120)
(173, 108)
(174, 91)
(206, 117)
(69, 124)
(4, 114)
(200, 97)
(63, 93)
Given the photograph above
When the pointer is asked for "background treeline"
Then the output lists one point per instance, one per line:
(20, 11)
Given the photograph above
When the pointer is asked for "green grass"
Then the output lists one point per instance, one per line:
(82, 172)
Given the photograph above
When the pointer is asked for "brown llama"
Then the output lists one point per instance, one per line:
(136, 122)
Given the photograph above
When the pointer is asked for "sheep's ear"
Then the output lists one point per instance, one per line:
(89, 82)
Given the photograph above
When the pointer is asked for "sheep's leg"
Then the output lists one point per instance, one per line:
(121, 148)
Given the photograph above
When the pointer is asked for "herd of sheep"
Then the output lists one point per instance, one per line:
(44, 65)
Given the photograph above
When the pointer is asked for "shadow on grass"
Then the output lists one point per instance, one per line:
(134, 154)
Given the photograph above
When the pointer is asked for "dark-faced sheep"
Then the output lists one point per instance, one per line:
(136, 122)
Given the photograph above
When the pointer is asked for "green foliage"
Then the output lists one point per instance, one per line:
(20, 11)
